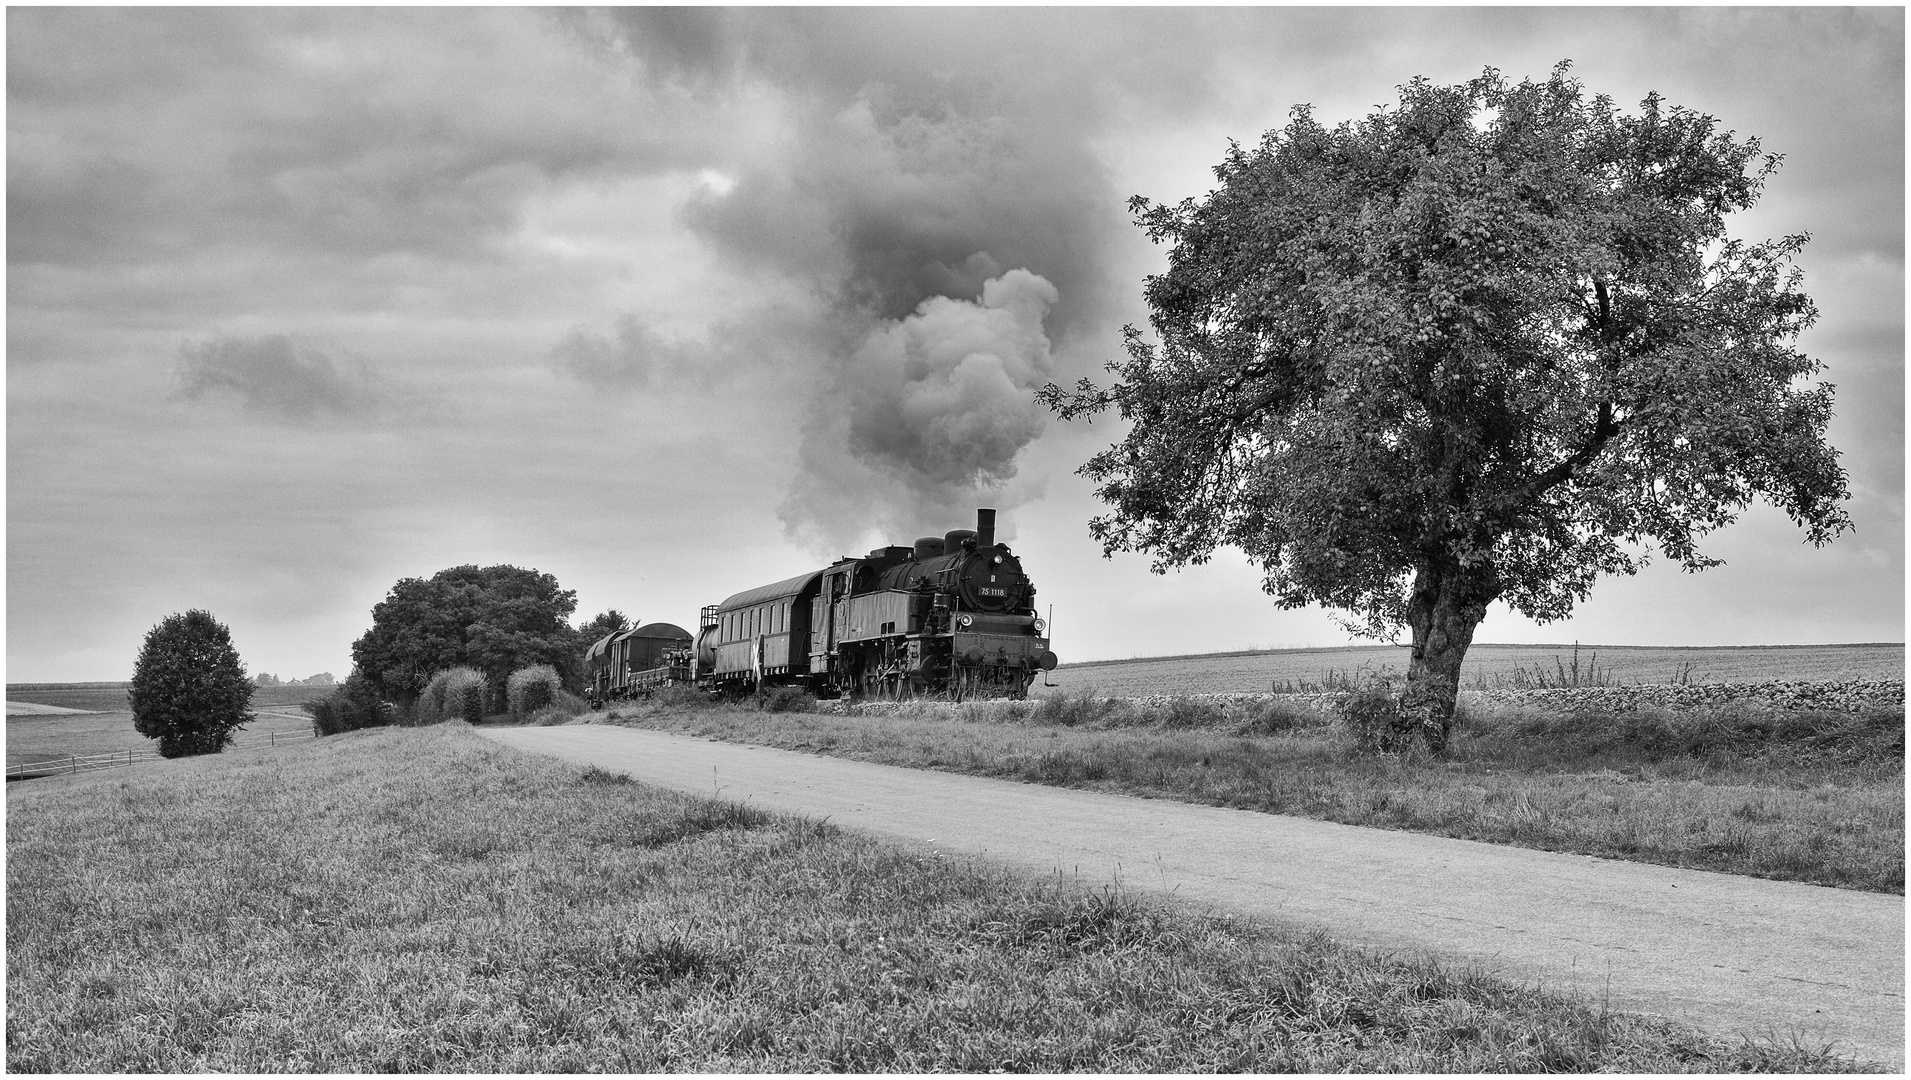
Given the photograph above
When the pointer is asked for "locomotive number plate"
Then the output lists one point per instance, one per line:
(986, 591)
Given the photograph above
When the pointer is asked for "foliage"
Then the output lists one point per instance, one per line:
(530, 689)
(353, 706)
(495, 619)
(610, 621)
(562, 709)
(785, 699)
(465, 689)
(1373, 722)
(1490, 344)
(190, 690)
(429, 708)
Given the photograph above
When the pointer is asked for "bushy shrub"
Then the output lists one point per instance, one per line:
(351, 707)
(464, 694)
(785, 699)
(1373, 722)
(1070, 710)
(563, 707)
(1184, 711)
(530, 689)
(1270, 716)
(430, 706)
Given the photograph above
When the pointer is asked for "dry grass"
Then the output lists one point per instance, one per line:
(1817, 799)
(1256, 672)
(422, 900)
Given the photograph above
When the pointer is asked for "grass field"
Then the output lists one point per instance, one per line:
(44, 738)
(111, 697)
(1486, 666)
(1799, 797)
(415, 900)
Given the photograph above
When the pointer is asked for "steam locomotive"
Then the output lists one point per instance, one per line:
(952, 616)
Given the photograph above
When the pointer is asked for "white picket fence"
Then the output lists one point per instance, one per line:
(73, 763)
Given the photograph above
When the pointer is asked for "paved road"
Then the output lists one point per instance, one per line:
(1725, 953)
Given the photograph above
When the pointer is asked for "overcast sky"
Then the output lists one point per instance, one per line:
(672, 303)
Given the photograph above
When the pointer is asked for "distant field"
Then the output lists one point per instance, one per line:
(1249, 672)
(46, 738)
(111, 697)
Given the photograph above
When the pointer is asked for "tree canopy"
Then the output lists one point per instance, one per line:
(609, 621)
(1490, 343)
(495, 619)
(190, 689)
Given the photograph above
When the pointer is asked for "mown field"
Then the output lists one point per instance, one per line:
(1487, 666)
(33, 739)
(412, 900)
(111, 697)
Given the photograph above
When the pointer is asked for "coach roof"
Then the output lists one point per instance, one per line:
(655, 630)
(763, 594)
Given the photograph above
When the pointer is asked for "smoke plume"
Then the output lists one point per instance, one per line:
(932, 411)
(948, 220)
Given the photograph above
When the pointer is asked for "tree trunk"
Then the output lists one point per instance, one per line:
(1448, 603)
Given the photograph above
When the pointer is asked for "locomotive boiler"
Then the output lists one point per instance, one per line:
(950, 616)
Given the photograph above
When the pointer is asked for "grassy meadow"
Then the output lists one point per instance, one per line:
(44, 738)
(1487, 666)
(111, 697)
(1816, 798)
(415, 900)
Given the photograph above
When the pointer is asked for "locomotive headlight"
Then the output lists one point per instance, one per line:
(1040, 626)
(998, 560)
(964, 621)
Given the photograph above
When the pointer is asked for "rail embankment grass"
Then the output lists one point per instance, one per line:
(1741, 788)
(418, 900)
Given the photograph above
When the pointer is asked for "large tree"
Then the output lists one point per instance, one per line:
(495, 618)
(1490, 343)
(190, 690)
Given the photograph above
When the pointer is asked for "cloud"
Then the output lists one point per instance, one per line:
(275, 376)
(629, 360)
(143, 135)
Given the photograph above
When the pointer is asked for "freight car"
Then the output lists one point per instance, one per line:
(952, 615)
(636, 661)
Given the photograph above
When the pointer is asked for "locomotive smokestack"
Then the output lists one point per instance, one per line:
(984, 528)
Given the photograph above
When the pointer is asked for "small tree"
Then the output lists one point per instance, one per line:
(190, 689)
(351, 707)
(611, 621)
(1488, 345)
(464, 694)
(430, 706)
(530, 689)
